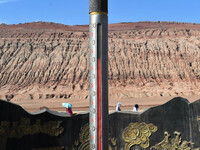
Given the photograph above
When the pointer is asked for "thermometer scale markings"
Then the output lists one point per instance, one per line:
(98, 34)
(92, 81)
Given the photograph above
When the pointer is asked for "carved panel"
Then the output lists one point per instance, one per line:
(138, 134)
(198, 120)
(83, 143)
(84, 138)
(173, 144)
(18, 129)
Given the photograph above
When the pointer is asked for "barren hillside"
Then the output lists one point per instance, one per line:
(45, 61)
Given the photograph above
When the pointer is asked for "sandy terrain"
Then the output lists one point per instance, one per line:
(83, 105)
(44, 64)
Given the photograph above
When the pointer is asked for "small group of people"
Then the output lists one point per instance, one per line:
(135, 108)
(69, 107)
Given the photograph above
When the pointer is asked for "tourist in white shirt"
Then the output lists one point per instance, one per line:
(135, 108)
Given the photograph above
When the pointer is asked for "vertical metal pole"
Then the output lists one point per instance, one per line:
(98, 74)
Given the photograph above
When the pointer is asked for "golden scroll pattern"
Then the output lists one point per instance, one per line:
(84, 139)
(173, 144)
(18, 129)
(83, 143)
(198, 120)
(138, 134)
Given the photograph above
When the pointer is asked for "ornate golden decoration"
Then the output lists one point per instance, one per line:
(138, 134)
(23, 127)
(175, 143)
(112, 143)
(83, 143)
(84, 138)
(198, 120)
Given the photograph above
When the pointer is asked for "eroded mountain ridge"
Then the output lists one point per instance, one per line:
(146, 59)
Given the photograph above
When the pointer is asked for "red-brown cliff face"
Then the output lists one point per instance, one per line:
(146, 59)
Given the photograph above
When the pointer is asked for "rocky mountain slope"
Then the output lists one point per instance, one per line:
(43, 60)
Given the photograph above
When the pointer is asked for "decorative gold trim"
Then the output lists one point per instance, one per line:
(18, 129)
(198, 121)
(83, 142)
(138, 134)
(98, 13)
(84, 139)
(173, 144)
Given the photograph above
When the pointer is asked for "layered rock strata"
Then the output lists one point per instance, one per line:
(146, 59)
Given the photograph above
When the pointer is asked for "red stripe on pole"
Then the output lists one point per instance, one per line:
(99, 117)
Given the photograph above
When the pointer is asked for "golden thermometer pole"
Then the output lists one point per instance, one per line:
(98, 46)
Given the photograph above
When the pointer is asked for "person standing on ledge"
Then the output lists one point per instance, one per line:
(135, 108)
(68, 108)
(118, 106)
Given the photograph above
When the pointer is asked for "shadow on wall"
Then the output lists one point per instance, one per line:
(173, 125)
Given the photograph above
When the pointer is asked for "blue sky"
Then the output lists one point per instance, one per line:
(75, 12)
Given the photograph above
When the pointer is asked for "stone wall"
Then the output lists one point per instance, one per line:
(174, 125)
